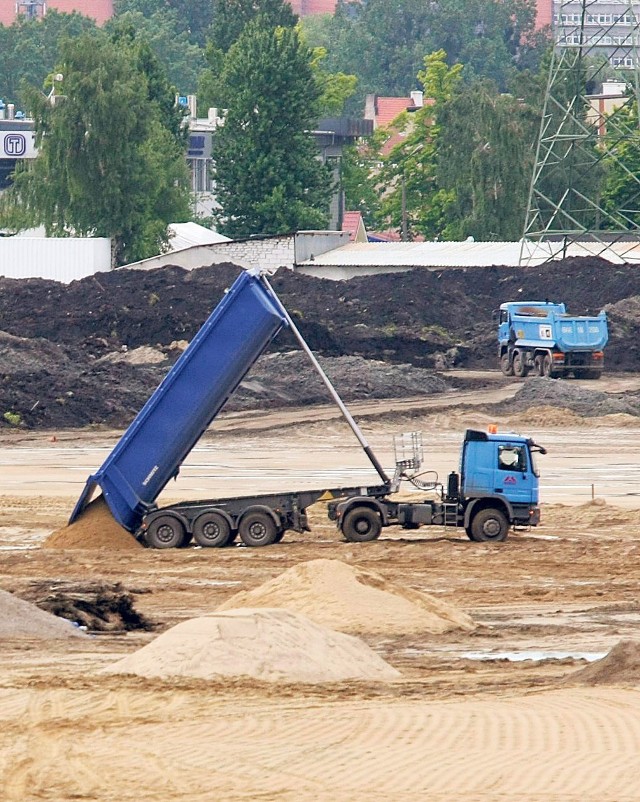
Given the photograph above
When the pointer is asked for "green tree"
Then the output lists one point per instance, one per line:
(383, 42)
(192, 17)
(111, 150)
(231, 16)
(29, 49)
(182, 60)
(621, 185)
(485, 162)
(412, 201)
(268, 176)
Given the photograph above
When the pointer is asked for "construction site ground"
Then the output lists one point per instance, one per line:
(496, 714)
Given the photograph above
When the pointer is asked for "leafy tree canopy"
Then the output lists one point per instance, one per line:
(29, 49)
(268, 177)
(383, 42)
(111, 149)
(182, 60)
(192, 17)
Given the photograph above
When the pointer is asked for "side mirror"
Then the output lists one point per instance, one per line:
(494, 315)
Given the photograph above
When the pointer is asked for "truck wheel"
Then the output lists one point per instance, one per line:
(519, 367)
(361, 524)
(547, 366)
(489, 524)
(257, 528)
(211, 529)
(505, 365)
(166, 532)
(586, 373)
(538, 365)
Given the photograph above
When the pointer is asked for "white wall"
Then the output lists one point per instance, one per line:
(56, 258)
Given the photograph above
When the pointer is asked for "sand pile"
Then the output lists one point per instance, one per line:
(350, 599)
(264, 644)
(21, 619)
(620, 666)
(94, 529)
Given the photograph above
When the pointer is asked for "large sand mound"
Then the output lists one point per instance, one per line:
(264, 644)
(351, 599)
(96, 528)
(21, 619)
(620, 666)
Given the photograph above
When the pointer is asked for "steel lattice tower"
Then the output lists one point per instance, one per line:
(581, 133)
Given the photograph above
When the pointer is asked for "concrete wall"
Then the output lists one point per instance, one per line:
(268, 252)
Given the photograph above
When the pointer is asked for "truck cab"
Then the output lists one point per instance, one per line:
(496, 487)
(500, 470)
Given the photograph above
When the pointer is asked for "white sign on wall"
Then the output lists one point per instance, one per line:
(18, 144)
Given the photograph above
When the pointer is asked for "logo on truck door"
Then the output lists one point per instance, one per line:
(545, 332)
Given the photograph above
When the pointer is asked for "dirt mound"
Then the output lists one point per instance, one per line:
(619, 667)
(21, 619)
(350, 599)
(270, 645)
(96, 528)
(570, 395)
(96, 607)
(67, 363)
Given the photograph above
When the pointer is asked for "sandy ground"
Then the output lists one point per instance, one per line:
(495, 714)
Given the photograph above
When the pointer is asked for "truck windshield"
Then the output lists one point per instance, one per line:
(512, 458)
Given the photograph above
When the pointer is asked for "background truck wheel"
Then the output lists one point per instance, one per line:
(489, 524)
(166, 532)
(257, 528)
(547, 365)
(538, 365)
(211, 530)
(361, 524)
(505, 365)
(519, 368)
(586, 373)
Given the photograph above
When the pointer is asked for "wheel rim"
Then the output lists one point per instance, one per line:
(362, 526)
(491, 527)
(165, 533)
(257, 530)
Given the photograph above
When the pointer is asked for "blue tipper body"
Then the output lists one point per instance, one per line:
(548, 325)
(165, 430)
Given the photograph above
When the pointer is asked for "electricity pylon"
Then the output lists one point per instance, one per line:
(581, 136)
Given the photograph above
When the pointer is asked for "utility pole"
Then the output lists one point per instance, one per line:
(592, 83)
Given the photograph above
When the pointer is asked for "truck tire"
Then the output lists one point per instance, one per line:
(547, 366)
(538, 365)
(257, 528)
(211, 530)
(505, 364)
(489, 524)
(361, 524)
(166, 532)
(519, 367)
(587, 373)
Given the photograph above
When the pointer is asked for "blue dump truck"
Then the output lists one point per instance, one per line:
(496, 488)
(540, 336)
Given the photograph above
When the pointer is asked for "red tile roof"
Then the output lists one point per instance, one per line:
(351, 222)
(306, 8)
(388, 108)
(100, 10)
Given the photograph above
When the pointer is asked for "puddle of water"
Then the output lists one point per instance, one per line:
(533, 654)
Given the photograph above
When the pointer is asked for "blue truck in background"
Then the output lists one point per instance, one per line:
(496, 487)
(540, 337)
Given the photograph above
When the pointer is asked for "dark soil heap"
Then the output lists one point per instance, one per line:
(53, 371)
